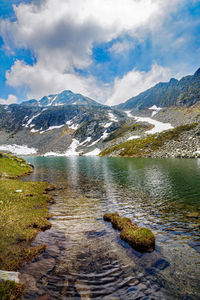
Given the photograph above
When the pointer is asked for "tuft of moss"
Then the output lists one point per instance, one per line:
(141, 239)
(108, 217)
(120, 223)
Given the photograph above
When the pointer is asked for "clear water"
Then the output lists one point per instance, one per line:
(85, 258)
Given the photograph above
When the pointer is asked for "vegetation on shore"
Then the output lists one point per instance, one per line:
(23, 213)
(139, 238)
(145, 146)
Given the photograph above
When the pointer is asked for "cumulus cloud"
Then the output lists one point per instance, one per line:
(135, 82)
(11, 100)
(61, 36)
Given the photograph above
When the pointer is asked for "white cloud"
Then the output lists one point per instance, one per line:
(11, 100)
(120, 47)
(61, 34)
(42, 80)
(136, 82)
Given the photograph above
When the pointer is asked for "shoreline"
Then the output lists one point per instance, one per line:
(23, 214)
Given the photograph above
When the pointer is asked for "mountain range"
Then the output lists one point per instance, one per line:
(69, 123)
(64, 98)
(173, 93)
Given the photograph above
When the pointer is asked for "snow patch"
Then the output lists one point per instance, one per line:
(112, 117)
(30, 121)
(105, 135)
(71, 125)
(18, 149)
(158, 126)
(155, 107)
(107, 125)
(155, 110)
(72, 148)
(94, 152)
(53, 154)
(52, 128)
(86, 141)
(129, 114)
(95, 142)
(133, 137)
(34, 130)
(74, 126)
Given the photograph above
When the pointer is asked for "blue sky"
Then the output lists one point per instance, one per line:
(109, 50)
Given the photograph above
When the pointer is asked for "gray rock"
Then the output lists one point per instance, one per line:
(6, 275)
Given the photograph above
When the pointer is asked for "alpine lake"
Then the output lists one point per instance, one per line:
(85, 257)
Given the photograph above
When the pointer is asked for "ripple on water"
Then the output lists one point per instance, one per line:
(85, 257)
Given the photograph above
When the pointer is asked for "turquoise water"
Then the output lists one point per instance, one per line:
(89, 259)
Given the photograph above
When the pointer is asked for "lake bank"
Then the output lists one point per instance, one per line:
(23, 213)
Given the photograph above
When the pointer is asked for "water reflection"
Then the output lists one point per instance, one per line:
(85, 257)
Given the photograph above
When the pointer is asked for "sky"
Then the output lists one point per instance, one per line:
(108, 50)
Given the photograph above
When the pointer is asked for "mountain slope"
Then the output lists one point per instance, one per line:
(173, 93)
(64, 98)
(58, 128)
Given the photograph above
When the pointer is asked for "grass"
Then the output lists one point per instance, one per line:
(23, 213)
(144, 147)
(9, 290)
(12, 167)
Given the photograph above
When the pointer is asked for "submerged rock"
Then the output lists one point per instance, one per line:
(141, 239)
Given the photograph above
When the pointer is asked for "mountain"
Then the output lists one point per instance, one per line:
(173, 93)
(64, 98)
(73, 128)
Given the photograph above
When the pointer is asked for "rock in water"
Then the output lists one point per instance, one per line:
(141, 239)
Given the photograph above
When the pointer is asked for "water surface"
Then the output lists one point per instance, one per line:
(85, 257)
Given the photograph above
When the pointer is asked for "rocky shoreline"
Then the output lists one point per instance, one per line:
(187, 146)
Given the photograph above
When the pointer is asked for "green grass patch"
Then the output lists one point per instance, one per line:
(23, 213)
(11, 166)
(144, 147)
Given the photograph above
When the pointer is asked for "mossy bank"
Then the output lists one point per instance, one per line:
(23, 213)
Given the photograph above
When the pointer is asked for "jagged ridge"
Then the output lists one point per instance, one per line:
(173, 93)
